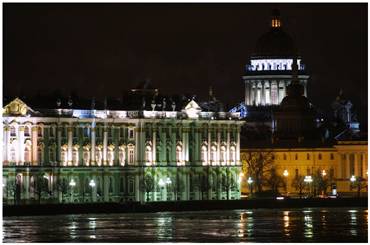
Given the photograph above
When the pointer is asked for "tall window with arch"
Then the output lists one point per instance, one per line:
(148, 155)
(179, 159)
(40, 155)
(110, 155)
(26, 131)
(223, 155)
(86, 156)
(232, 155)
(13, 132)
(131, 154)
(98, 156)
(203, 155)
(75, 156)
(64, 156)
(52, 154)
(27, 154)
(122, 155)
(213, 155)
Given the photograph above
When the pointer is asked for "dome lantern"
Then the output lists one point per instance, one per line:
(275, 20)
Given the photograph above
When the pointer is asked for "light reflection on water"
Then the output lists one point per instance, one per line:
(259, 225)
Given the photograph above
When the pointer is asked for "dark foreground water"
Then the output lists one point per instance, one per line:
(257, 225)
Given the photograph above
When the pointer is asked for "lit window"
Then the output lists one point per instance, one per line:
(131, 155)
(203, 155)
(179, 155)
(232, 155)
(26, 131)
(12, 131)
(223, 155)
(148, 155)
(131, 133)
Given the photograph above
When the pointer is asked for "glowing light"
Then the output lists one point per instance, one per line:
(353, 178)
(286, 173)
(168, 181)
(250, 181)
(324, 173)
(92, 183)
(308, 179)
(72, 183)
(161, 183)
(279, 198)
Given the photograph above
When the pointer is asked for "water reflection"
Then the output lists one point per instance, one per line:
(260, 225)
(308, 231)
(286, 223)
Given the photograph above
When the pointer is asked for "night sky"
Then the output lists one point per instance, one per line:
(104, 49)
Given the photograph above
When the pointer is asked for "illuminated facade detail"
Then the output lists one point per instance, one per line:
(95, 156)
(336, 164)
(269, 70)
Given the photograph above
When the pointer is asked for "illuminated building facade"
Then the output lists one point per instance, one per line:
(72, 155)
(335, 163)
(269, 72)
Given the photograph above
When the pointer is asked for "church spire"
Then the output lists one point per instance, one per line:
(275, 20)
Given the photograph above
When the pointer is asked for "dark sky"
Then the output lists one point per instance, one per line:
(98, 49)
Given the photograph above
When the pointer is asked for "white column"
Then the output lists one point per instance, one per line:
(93, 146)
(228, 146)
(21, 145)
(59, 145)
(237, 145)
(218, 145)
(263, 93)
(70, 142)
(6, 143)
(34, 145)
(105, 145)
(209, 145)
(277, 92)
(255, 92)
(154, 140)
(184, 144)
(186, 148)
(247, 92)
(356, 165)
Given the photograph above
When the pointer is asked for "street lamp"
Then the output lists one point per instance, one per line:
(168, 182)
(308, 179)
(161, 183)
(323, 173)
(92, 185)
(72, 184)
(353, 179)
(286, 174)
(250, 181)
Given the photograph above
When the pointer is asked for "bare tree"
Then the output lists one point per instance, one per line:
(359, 184)
(299, 184)
(258, 165)
(148, 186)
(275, 181)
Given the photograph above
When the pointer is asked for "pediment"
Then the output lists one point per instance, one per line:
(17, 108)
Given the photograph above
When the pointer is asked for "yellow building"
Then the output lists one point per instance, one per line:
(336, 163)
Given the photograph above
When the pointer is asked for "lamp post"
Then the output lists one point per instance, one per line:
(286, 174)
(353, 180)
(161, 183)
(308, 180)
(168, 182)
(250, 182)
(72, 184)
(92, 185)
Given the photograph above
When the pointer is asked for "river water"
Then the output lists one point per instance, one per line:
(253, 225)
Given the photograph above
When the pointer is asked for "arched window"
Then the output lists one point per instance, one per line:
(52, 153)
(13, 133)
(213, 155)
(320, 156)
(122, 155)
(86, 156)
(98, 155)
(110, 155)
(148, 155)
(64, 156)
(308, 156)
(75, 156)
(203, 155)
(40, 155)
(223, 155)
(232, 155)
(296, 156)
(39, 131)
(131, 156)
(179, 159)
(27, 154)
(12, 157)
(284, 156)
(26, 131)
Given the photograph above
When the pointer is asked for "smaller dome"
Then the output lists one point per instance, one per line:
(276, 42)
